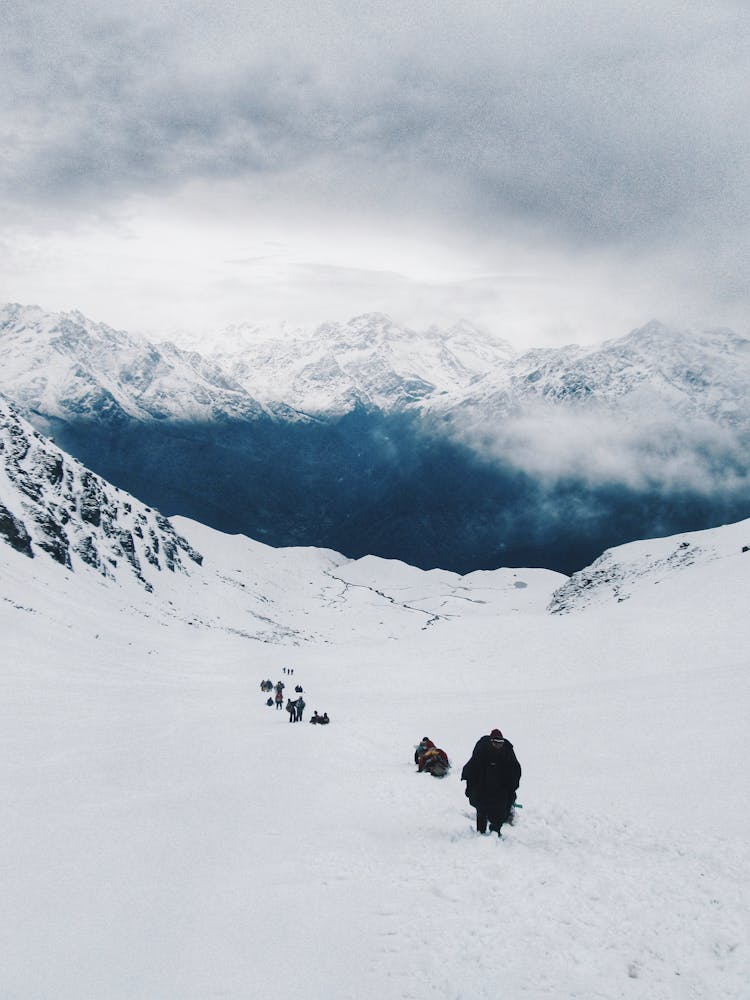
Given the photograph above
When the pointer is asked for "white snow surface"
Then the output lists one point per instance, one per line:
(628, 570)
(167, 835)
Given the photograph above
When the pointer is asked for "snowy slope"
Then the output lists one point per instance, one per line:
(628, 570)
(51, 504)
(168, 835)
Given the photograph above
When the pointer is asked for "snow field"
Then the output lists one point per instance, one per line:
(168, 835)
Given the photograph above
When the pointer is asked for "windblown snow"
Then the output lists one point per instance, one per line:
(168, 835)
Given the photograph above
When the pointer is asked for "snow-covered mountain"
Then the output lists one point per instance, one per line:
(167, 834)
(63, 365)
(369, 361)
(462, 374)
(703, 374)
(438, 447)
(50, 503)
(52, 507)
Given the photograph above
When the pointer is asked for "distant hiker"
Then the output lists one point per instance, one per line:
(298, 688)
(269, 702)
(423, 746)
(435, 762)
(279, 699)
(300, 706)
(291, 707)
(492, 776)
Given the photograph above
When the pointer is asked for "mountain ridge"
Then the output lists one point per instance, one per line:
(450, 457)
(57, 363)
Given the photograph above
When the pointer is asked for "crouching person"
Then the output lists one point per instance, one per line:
(435, 762)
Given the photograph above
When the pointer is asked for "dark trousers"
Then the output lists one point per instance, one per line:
(496, 821)
(495, 815)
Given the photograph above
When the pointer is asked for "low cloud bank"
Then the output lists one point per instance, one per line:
(646, 448)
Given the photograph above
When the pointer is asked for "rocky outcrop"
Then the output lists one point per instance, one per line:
(55, 506)
(14, 532)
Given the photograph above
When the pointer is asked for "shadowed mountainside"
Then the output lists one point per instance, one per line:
(370, 483)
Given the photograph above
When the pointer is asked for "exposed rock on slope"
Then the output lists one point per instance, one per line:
(50, 503)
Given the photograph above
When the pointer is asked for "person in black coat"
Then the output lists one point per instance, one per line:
(492, 777)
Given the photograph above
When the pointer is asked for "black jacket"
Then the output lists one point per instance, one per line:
(492, 776)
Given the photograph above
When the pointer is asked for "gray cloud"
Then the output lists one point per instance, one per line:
(606, 125)
(605, 118)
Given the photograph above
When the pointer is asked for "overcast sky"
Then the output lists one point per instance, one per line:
(555, 170)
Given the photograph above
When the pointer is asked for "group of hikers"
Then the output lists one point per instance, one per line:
(294, 706)
(492, 777)
(492, 773)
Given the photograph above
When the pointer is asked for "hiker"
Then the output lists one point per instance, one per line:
(291, 707)
(269, 702)
(298, 688)
(315, 718)
(492, 776)
(423, 746)
(300, 706)
(435, 762)
(279, 699)
(324, 720)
